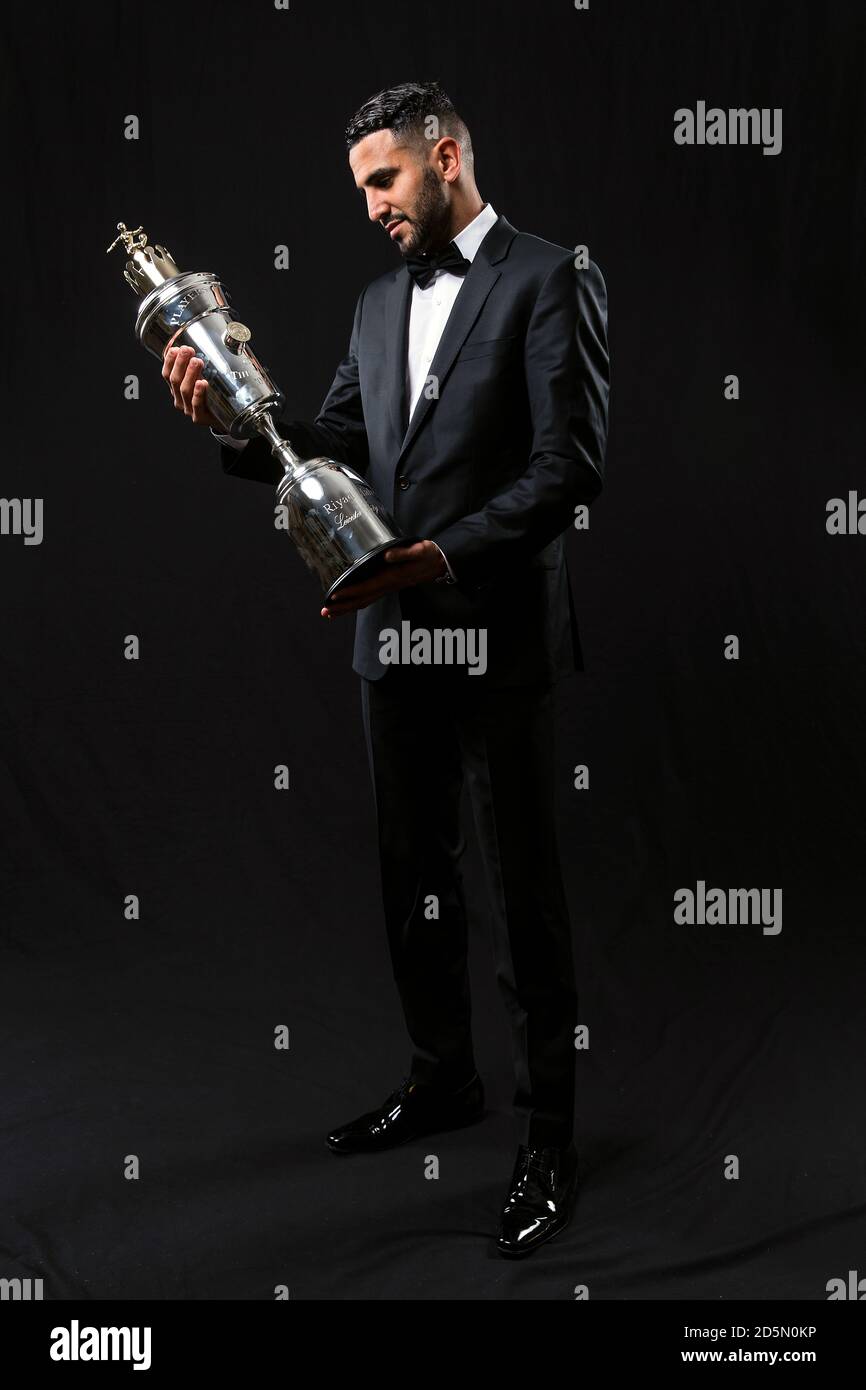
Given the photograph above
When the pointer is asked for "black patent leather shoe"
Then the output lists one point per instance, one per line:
(408, 1112)
(540, 1199)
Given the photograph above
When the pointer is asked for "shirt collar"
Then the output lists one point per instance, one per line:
(469, 240)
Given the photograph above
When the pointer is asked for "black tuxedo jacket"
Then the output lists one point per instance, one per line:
(493, 466)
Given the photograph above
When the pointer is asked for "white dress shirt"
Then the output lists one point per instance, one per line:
(431, 307)
(428, 315)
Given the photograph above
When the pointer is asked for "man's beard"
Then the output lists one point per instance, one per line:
(431, 218)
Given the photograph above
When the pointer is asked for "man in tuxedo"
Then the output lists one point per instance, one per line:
(474, 399)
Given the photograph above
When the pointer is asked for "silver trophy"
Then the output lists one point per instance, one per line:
(334, 518)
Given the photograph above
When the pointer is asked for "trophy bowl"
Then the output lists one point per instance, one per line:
(336, 521)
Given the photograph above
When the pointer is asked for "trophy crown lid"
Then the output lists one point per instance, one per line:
(148, 266)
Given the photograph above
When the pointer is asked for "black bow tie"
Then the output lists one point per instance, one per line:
(423, 268)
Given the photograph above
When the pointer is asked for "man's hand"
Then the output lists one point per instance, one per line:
(404, 566)
(181, 369)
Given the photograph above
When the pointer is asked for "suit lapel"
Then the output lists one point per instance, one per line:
(477, 284)
(398, 300)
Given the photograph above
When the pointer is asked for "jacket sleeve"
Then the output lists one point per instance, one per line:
(568, 383)
(338, 430)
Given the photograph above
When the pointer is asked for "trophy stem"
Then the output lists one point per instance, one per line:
(281, 448)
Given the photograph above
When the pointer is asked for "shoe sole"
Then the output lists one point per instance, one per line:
(398, 1143)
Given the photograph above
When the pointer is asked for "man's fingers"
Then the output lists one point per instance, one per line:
(194, 367)
(398, 555)
(175, 359)
(181, 370)
(359, 595)
(351, 599)
(178, 360)
(167, 368)
(200, 413)
(177, 374)
(353, 596)
(337, 610)
(370, 588)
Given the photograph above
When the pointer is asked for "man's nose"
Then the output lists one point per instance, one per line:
(378, 209)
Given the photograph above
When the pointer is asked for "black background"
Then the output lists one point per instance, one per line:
(261, 908)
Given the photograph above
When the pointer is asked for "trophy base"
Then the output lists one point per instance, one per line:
(366, 567)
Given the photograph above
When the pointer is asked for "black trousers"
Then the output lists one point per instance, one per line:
(427, 729)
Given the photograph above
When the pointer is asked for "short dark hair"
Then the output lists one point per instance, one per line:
(405, 110)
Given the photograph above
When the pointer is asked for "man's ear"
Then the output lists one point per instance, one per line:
(447, 152)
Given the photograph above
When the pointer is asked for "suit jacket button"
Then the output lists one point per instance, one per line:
(403, 482)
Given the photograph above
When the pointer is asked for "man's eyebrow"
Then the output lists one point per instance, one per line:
(377, 175)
